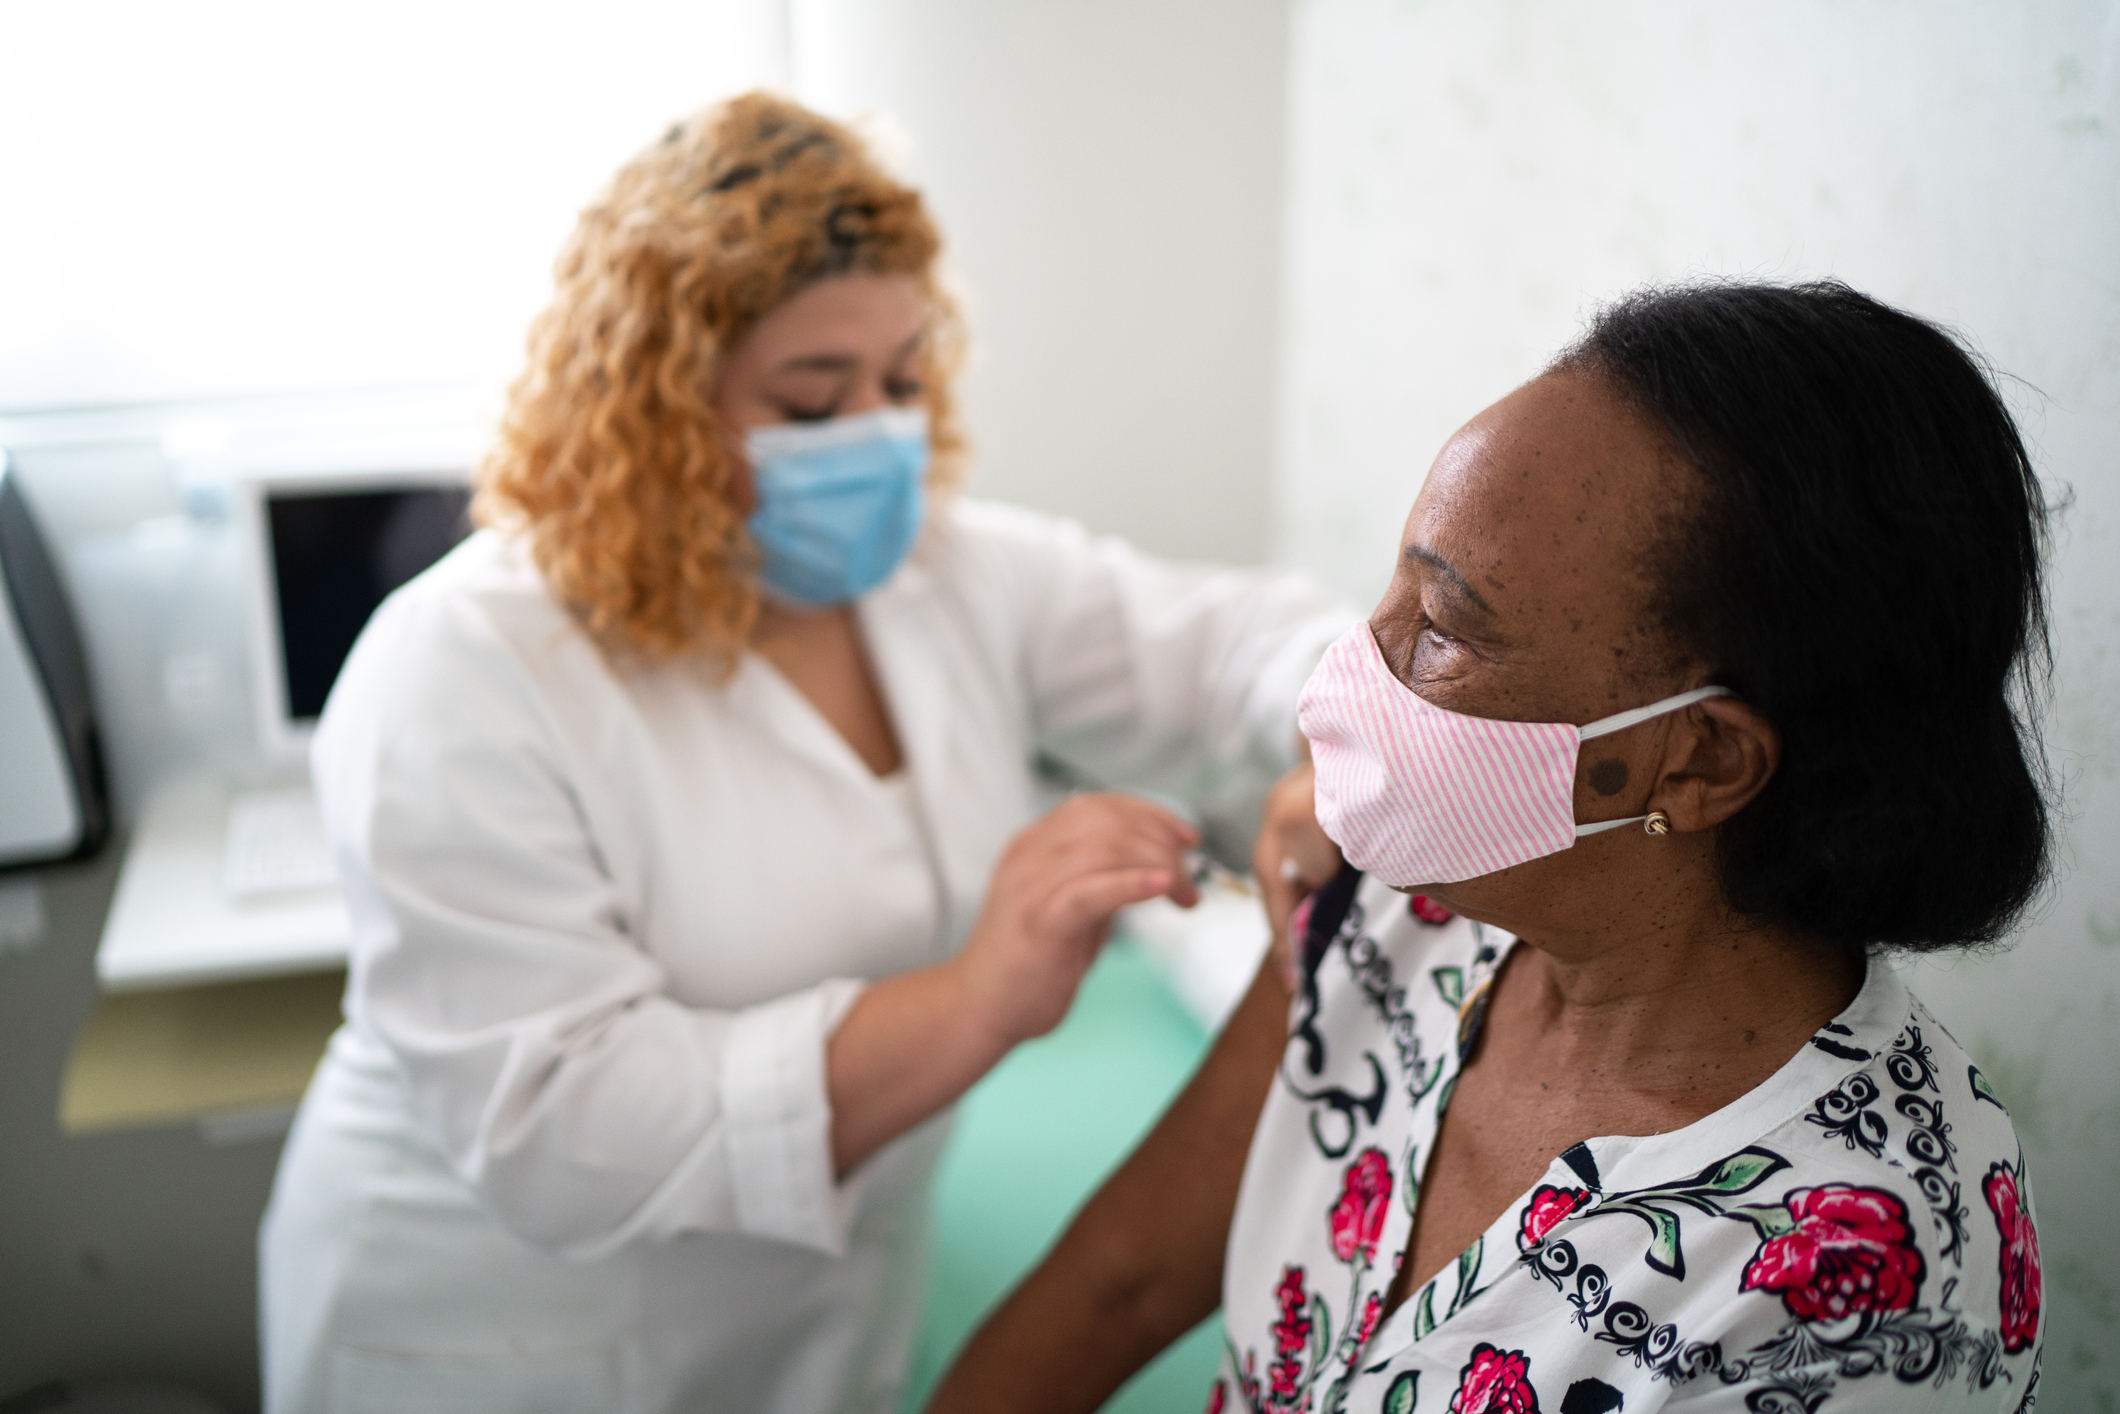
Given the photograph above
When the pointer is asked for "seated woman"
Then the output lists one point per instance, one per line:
(1624, 1108)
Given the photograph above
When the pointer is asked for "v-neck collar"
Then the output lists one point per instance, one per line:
(898, 631)
(1614, 1163)
(903, 682)
(782, 709)
(901, 633)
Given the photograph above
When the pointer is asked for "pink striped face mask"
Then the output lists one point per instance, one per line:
(1415, 795)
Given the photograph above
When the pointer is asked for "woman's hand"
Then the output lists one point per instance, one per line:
(1052, 900)
(913, 1043)
(1293, 859)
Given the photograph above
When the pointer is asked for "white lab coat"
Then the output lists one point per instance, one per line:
(570, 1149)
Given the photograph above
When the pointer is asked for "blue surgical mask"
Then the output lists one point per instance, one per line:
(839, 502)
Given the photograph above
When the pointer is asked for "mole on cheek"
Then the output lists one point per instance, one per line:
(1608, 777)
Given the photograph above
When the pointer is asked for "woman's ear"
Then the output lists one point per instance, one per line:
(1721, 755)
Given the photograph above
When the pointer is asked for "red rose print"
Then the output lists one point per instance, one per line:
(1365, 1197)
(1428, 910)
(1372, 1309)
(1548, 1206)
(1290, 1335)
(2020, 1258)
(1217, 1398)
(1850, 1252)
(1495, 1382)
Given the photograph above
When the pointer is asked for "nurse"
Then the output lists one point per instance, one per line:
(689, 818)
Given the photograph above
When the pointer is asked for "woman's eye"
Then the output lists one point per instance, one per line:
(1400, 641)
(1434, 653)
(802, 414)
(904, 390)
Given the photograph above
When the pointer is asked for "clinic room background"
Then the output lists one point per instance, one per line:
(1235, 269)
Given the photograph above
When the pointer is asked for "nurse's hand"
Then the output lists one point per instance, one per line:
(1052, 899)
(911, 1044)
(1293, 859)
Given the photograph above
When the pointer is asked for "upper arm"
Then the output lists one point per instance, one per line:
(1161, 1223)
(1142, 1263)
(1141, 673)
(479, 894)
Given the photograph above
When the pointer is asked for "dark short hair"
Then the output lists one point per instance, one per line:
(1865, 567)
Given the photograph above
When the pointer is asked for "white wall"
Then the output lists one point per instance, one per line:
(216, 209)
(226, 197)
(1469, 178)
(1109, 176)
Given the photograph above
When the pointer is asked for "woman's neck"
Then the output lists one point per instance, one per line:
(1664, 985)
(820, 653)
(1646, 973)
(779, 622)
(1685, 1015)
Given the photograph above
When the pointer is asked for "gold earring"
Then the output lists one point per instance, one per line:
(1658, 823)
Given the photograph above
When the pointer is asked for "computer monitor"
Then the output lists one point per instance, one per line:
(325, 551)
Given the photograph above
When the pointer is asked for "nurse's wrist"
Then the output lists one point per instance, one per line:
(978, 1012)
(906, 1050)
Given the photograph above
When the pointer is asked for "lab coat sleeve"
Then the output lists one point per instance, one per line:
(1175, 679)
(492, 960)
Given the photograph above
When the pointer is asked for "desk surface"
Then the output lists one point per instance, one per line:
(173, 924)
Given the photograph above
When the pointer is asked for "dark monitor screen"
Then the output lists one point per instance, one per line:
(335, 556)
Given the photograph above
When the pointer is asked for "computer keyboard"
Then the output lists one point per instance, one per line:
(275, 843)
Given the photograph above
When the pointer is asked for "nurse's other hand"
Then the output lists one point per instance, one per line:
(1293, 859)
(1052, 899)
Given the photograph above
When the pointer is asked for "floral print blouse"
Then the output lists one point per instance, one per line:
(1854, 1234)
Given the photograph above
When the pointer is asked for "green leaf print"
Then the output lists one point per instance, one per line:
(1399, 1398)
(1664, 1254)
(1664, 1251)
(1424, 1313)
(1468, 1272)
(1740, 1171)
(1768, 1219)
(1450, 984)
(1983, 1089)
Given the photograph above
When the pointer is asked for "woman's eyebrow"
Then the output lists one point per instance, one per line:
(1430, 558)
(910, 347)
(819, 363)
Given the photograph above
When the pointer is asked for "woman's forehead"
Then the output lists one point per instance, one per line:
(1558, 488)
(852, 313)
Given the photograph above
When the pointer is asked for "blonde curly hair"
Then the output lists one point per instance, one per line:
(610, 456)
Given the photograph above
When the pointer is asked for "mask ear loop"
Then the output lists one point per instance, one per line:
(1635, 716)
